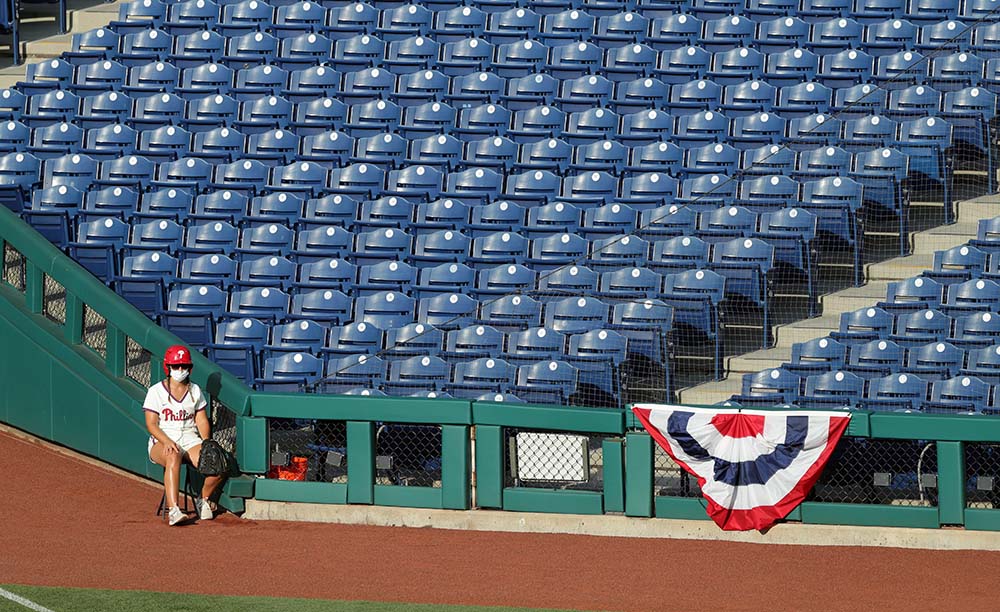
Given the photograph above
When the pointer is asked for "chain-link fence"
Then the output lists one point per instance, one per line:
(670, 479)
(137, 363)
(224, 426)
(53, 300)
(408, 455)
(309, 450)
(95, 331)
(982, 475)
(14, 268)
(875, 471)
(551, 460)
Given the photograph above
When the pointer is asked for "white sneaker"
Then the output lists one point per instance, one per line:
(204, 509)
(175, 516)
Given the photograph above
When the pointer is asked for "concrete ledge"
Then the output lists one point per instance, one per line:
(621, 526)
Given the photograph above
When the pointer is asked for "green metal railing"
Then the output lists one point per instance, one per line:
(77, 359)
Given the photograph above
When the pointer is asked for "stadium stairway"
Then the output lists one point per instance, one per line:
(878, 276)
(40, 34)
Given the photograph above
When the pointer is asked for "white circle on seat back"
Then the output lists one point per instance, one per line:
(516, 300)
(775, 374)
(919, 282)
(700, 274)
(453, 298)
(362, 326)
(202, 290)
(929, 315)
(553, 366)
(581, 302)
(265, 292)
(824, 343)
(328, 295)
(425, 361)
(870, 313)
(966, 381)
(839, 376)
(297, 357)
(940, 347)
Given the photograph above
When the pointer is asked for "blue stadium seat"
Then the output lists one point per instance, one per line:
(92, 46)
(347, 20)
(628, 284)
(816, 356)
(112, 141)
(556, 250)
(414, 339)
(163, 235)
(385, 276)
(438, 215)
(310, 49)
(756, 130)
(845, 68)
(900, 70)
(958, 395)
(417, 374)
(832, 390)
(889, 36)
(472, 342)
(921, 327)
(695, 297)
(694, 96)
(771, 387)
(735, 66)
(208, 269)
(511, 25)
(608, 221)
(896, 393)
(834, 36)
(779, 31)
(679, 254)
(145, 47)
(427, 120)
(264, 303)
(404, 21)
(164, 144)
(191, 313)
(546, 382)
(511, 312)
(863, 325)
(914, 102)
(353, 371)
(290, 372)
(640, 94)
(327, 306)
(673, 30)
(553, 154)
(746, 265)
(727, 32)
(325, 273)
(534, 344)
(447, 311)
(790, 67)
(682, 64)
(767, 160)
(465, 57)
(875, 359)
(385, 310)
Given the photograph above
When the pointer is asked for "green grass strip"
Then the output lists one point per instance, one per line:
(60, 599)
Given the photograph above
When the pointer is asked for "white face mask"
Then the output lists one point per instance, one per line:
(179, 374)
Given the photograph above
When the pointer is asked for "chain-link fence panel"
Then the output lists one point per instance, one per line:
(95, 331)
(550, 460)
(874, 471)
(224, 426)
(408, 455)
(670, 479)
(53, 300)
(308, 450)
(982, 475)
(137, 363)
(14, 268)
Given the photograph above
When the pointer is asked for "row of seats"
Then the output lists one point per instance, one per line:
(542, 382)
(920, 10)
(905, 390)
(878, 171)
(844, 67)
(569, 24)
(561, 142)
(356, 350)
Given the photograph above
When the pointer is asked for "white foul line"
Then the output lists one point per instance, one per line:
(27, 603)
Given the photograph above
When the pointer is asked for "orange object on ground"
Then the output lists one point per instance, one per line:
(294, 471)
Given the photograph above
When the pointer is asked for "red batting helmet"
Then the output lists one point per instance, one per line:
(177, 354)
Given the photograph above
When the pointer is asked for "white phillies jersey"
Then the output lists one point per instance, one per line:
(176, 416)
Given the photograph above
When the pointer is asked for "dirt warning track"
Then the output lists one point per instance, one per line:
(65, 522)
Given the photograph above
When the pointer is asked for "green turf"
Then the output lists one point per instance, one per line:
(93, 600)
